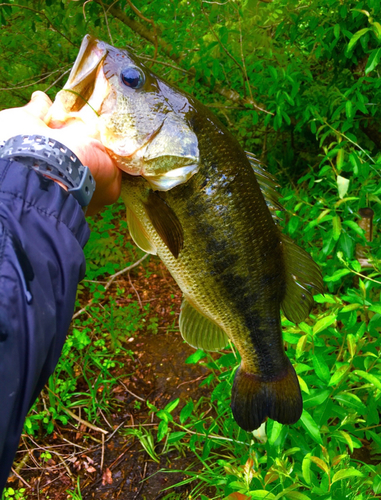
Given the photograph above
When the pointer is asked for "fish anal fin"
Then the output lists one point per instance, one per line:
(165, 222)
(254, 399)
(138, 233)
(199, 331)
(303, 277)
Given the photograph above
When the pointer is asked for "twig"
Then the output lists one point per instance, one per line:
(22, 462)
(151, 21)
(109, 283)
(219, 41)
(128, 268)
(142, 481)
(41, 14)
(84, 422)
(103, 452)
(34, 83)
(136, 292)
(58, 79)
(106, 19)
(191, 381)
(118, 460)
(105, 419)
(130, 392)
(21, 479)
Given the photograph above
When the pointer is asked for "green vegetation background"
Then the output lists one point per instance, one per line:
(298, 83)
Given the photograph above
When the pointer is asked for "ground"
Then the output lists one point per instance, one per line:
(113, 464)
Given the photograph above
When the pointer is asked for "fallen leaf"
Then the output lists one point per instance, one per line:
(106, 477)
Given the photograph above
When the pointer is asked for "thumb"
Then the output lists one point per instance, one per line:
(39, 104)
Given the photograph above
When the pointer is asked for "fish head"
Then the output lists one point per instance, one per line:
(143, 122)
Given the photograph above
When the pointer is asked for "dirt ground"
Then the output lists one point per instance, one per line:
(114, 465)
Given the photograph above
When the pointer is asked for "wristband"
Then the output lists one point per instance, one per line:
(52, 159)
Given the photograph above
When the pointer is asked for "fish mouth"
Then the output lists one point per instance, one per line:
(80, 89)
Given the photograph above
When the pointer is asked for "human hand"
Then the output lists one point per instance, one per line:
(29, 120)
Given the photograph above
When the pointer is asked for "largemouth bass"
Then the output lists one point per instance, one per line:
(207, 209)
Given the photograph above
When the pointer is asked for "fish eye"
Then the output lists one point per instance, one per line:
(132, 77)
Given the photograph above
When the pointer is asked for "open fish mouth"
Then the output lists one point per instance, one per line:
(82, 96)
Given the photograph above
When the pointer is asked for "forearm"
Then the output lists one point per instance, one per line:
(42, 233)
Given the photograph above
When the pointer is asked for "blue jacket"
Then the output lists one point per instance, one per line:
(42, 234)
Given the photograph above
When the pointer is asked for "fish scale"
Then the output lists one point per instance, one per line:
(207, 209)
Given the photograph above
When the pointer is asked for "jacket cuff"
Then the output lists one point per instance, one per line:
(26, 190)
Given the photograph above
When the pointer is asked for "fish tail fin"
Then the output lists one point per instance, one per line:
(254, 398)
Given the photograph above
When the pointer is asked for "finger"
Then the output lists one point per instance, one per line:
(39, 104)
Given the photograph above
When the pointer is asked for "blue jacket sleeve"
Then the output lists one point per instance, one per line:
(42, 234)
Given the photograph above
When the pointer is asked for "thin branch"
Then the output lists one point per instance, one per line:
(41, 14)
(109, 283)
(83, 422)
(151, 21)
(34, 83)
(219, 41)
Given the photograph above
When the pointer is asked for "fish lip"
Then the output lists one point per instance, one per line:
(90, 47)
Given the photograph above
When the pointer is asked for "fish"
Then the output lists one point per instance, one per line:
(208, 209)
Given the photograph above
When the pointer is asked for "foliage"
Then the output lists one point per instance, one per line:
(298, 83)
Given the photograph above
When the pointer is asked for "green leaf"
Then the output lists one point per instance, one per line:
(342, 184)
(306, 468)
(345, 474)
(354, 226)
(356, 37)
(321, 367)
(172, 405)
(186, 412)
(275, 432)
(176, 436)
(373, 60)
(336, 222)
(338, 375)
(316, 398)
(261, 495)
(377, 484)
(195, 357)
(296, 495)
(340, 273)
(311, 427)
(369, 377)
(162, 430)
(323, 323)
(349, 109)
(351, 401)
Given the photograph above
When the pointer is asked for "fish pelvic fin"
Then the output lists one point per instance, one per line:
(254, 398)
(303, 278)
(199, 331)
(139, 234)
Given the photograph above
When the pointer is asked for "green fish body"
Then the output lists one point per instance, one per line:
(193, 198)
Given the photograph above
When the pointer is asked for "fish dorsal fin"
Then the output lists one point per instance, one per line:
(200, 332)
(303, 277)
(139, 234)
(268, 185)
(165, 222)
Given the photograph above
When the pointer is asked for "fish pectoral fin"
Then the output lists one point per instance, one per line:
(199, 331)
(165, 222)
(254, 398)
(138, 233)
(303, 277)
